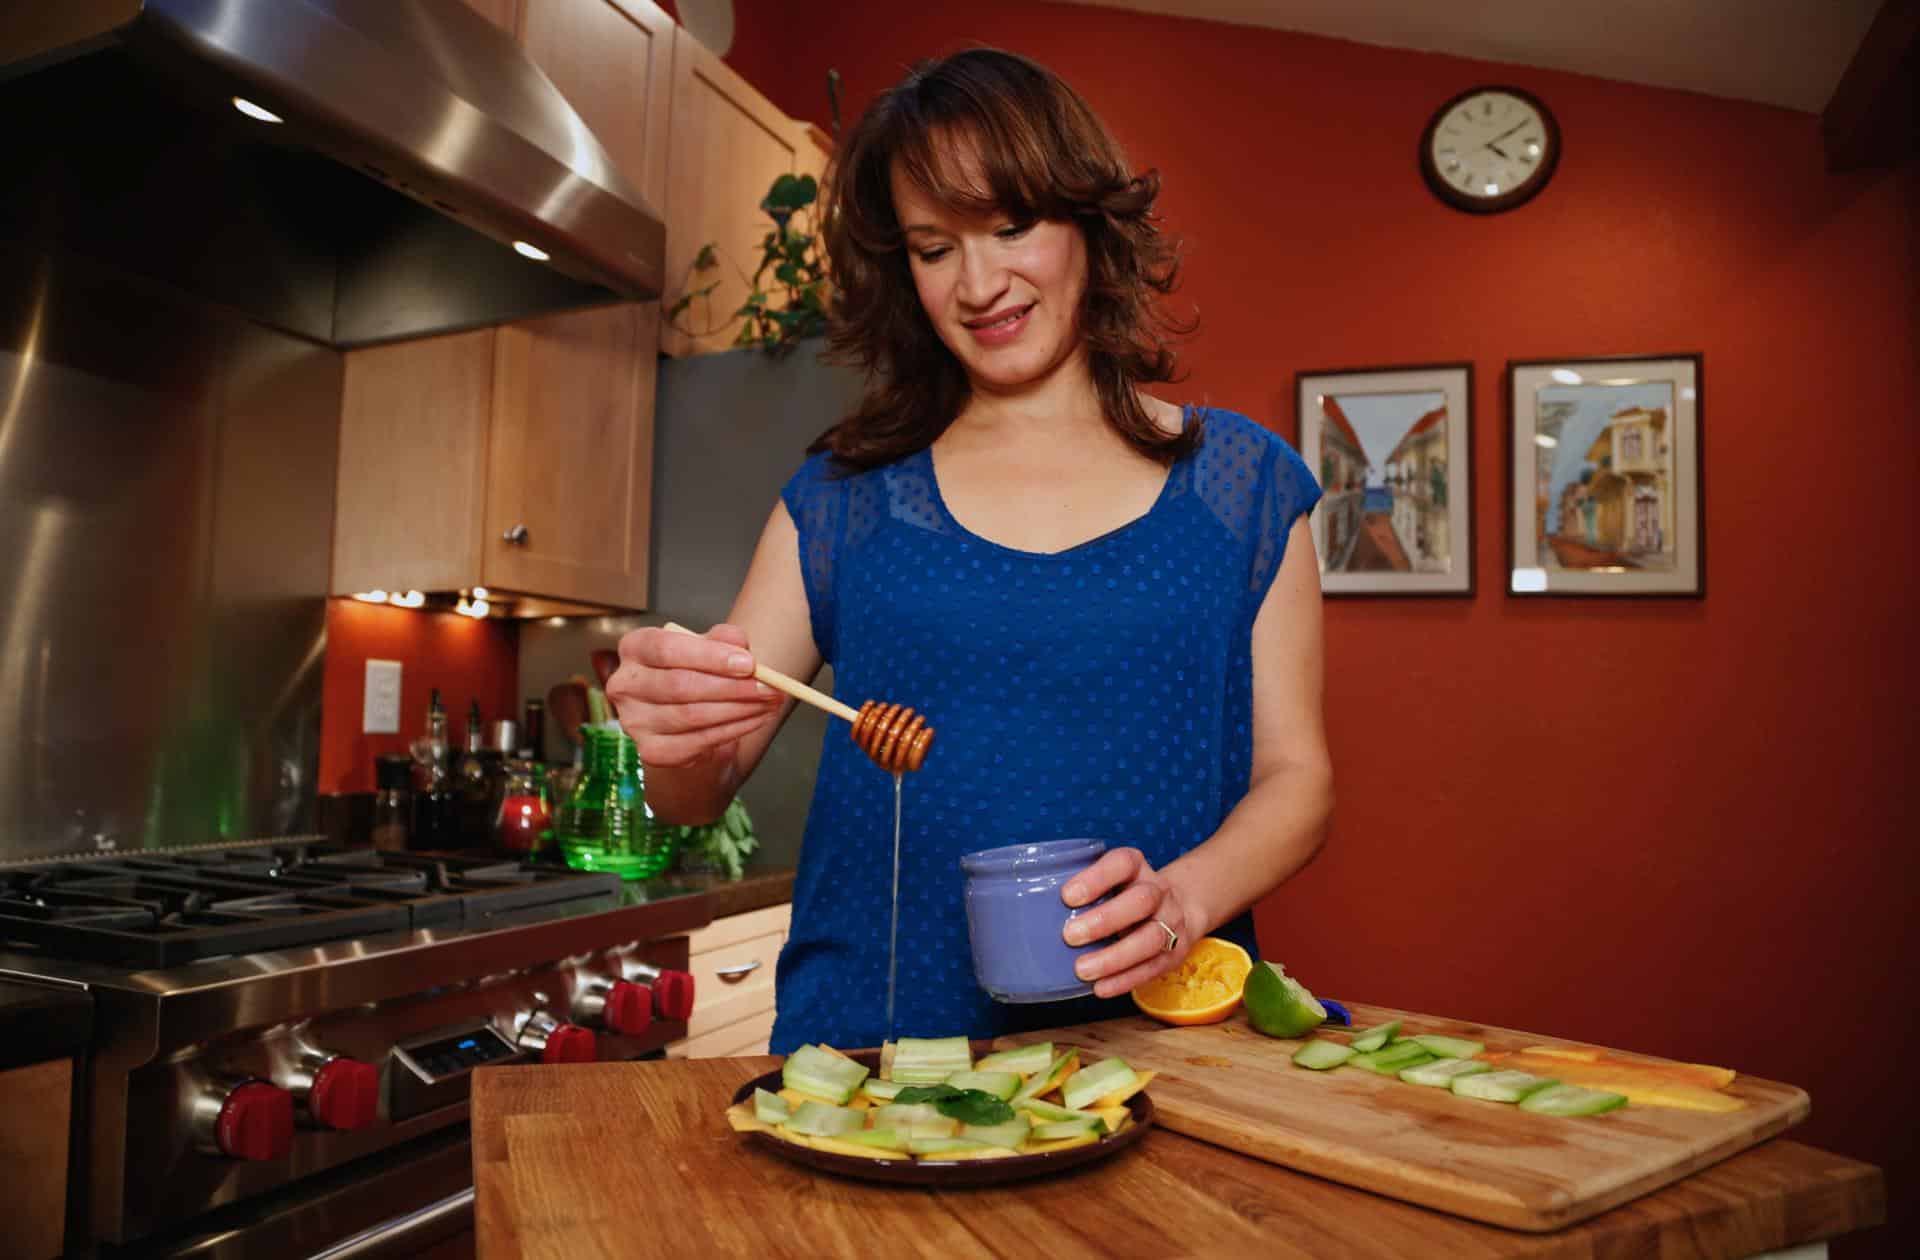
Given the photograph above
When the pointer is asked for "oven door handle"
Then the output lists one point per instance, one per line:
(382, 1238)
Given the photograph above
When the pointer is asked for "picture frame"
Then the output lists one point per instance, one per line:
(1606, 488)
(1392, 448)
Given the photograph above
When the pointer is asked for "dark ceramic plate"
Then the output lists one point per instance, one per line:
(927, 1171)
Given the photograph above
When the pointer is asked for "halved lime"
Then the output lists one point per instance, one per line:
(1278, 1005)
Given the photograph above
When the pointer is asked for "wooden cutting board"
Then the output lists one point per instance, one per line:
(1231, 1086)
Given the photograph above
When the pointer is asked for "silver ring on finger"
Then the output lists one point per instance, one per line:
(1173, 937)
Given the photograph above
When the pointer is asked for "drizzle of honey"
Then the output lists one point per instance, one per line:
(893, 934)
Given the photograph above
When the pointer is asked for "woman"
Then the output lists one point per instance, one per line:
(1107, 605)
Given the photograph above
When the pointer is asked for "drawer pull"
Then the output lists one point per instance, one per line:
(741, 972)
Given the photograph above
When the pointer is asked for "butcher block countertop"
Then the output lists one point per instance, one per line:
(637, 1159)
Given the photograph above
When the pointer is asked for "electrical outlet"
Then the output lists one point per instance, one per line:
(383, 698)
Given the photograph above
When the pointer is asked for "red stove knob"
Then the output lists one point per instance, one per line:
(673, 995)
(346, 1094)
(570, 1043)
(255, 1122)
(629, 1008)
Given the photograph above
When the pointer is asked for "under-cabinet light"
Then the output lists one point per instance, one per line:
(255, 112)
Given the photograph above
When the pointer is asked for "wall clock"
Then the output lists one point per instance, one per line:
(1489, 149)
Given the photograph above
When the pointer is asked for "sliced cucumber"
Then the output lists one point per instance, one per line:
(881, 1091)
(1376, 1037)
(916, 1119)
(770, 1108)
(1096, 1082)
(1571, 1100)
(1000, 1084)
(927, 1060)
(1092, 1126)
(1053, 1111)
(1026, 1060)
(1043, 1082)
(1507, 1087)
(1009, 1133)
(816, 1119)
(1321, 1055)
(1441, 1072)
(886, 1139)
(812, 1070)
(1449, 1047)
(1389, 1060)
(942, 1146)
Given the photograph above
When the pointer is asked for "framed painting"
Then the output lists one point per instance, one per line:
(1605, 483)
(1392, 447)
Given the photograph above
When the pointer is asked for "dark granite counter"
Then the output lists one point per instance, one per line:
(759, 888)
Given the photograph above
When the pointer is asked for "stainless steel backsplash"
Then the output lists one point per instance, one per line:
(166, 511)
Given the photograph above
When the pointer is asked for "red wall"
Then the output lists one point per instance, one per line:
(464, 658)
(1678, 827)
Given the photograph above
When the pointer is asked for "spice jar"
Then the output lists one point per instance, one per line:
(522, 824)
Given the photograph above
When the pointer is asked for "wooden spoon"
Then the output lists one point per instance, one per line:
(893, 735)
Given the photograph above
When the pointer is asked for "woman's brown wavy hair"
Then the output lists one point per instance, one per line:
(1043, 154)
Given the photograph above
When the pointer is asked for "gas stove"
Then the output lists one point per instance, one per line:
(285, 1032)
(165, 910)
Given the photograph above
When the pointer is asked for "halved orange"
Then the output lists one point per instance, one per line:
(1204, 989)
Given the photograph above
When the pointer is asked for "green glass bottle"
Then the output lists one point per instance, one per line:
(607, 825)
(581, 824)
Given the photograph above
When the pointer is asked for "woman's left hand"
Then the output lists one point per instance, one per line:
(1149, 927)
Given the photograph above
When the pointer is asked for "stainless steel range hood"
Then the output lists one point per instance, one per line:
(416, 145)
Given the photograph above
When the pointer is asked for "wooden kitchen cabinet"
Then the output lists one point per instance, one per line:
(504, 14)
(728, 144)
(613, 61)
(732, 960)
(518, 459)
(34, 1118)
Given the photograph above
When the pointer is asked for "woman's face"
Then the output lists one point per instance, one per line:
(1004, 296)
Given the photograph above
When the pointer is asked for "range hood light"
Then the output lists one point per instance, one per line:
(255, 112)
(531, 251)
(372, 597)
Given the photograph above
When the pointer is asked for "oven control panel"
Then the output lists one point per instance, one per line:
(447, 1057)
(431, 1072)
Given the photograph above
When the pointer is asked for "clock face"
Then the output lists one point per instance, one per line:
(1489, 149)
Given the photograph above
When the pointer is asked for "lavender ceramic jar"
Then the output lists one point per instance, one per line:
(1015, 916)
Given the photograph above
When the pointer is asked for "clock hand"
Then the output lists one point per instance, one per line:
(1495, 146)
(1503, 135)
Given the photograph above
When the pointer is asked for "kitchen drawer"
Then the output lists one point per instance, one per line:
(748, 1036)
(733, 982)
(738, 927)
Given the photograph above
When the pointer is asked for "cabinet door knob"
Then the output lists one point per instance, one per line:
(516, 535)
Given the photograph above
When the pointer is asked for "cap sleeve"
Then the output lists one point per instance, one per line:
(816, 500)
(1288, 492)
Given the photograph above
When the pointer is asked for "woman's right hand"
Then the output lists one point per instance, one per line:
(688, 700)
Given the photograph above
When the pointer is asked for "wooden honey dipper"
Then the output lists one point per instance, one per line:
(893, 735)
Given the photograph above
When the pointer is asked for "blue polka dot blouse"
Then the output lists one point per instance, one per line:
(1103, 691)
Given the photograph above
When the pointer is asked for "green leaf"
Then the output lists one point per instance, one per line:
(968, 1106)
(787, 273)
(706, 259)
(927, 1093)
(789, 193)
(975, 1106)
(686, 300)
